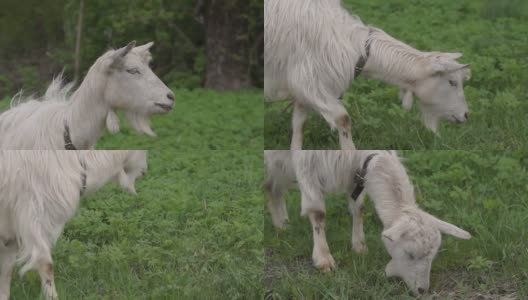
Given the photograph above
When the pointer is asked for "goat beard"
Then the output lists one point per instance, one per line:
(140, 122)
(430, 118)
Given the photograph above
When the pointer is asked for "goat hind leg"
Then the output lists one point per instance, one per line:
(7, 265)
(276, 205)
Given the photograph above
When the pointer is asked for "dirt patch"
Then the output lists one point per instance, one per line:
(273, 271)
(475, 288)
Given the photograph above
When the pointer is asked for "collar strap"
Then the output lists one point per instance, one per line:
(83, 177)
(363, 59)
(68, 144)
(7, 243)
(360, 177)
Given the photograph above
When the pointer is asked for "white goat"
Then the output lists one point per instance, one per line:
(411, 236)
(313, 49)
(40, 192)
(119, 79)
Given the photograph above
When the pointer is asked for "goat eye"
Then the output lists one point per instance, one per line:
(133, 71)
(453, 83)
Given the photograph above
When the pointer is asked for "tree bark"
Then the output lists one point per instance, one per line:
(77, 57)
(227, 49)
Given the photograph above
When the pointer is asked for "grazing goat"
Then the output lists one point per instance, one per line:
(119, 80)
(411, 236)
(313, 50)
(40, 191)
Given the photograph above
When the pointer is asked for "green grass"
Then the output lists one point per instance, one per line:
(480, 192)
(201, 120)
(493, 37)
(194, 231)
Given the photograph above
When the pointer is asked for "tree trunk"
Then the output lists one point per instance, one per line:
(227, 50)
(77, 57)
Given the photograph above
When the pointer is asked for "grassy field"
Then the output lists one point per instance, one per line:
(481, 192)
(194, 231)
(201, 120)
(492, 35)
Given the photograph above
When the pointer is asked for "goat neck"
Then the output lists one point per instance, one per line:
(392, 61)
(88, 110)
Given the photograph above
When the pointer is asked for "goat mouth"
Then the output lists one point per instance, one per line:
(165, 107)
(456, 120)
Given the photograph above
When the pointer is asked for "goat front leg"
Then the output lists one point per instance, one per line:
(7, 265)
(321, 256)
(47, 278)
(358, 235)
(337, 117)
(298, 118)
(344, 127)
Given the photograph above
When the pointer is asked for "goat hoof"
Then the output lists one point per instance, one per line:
(281, 225)
(325, 264)
(360, 249)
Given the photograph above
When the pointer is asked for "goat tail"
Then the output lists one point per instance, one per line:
(58, 90)
(32, 259)
(33, 251)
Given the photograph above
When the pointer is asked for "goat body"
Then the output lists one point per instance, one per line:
(411, 236)
(311, 48)
(40, 191)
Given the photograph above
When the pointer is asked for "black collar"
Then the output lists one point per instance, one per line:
(363, 59)
(360, 177)
(83, 177)
(68, 144)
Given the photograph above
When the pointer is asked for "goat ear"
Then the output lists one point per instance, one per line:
(124, 51)
(112, 122)
(445, 55)
(395, 232)
(119, 54)
(450, 229)
(440, 65)
(453, 56)
(145, 47)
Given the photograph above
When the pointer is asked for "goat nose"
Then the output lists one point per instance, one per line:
(170, 96)
(421, 291)
(466, 115)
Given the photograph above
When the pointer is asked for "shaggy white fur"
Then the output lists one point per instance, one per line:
(411, 236)
(41, 191)
(311, 48)
(119, 80)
